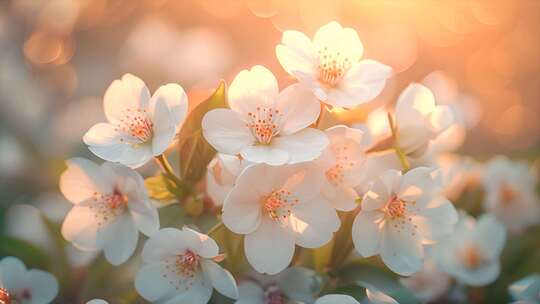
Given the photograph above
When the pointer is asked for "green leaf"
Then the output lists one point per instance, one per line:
(322, 257)
(195, 152)
(162, 189)
(32, 255)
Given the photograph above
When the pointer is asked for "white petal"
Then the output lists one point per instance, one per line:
(43, 286)
(335, 299)
(226, 132)
(145, 217)
(196, 294)
(335, 37)
(299, 108)
(314, 223)
(270, 248)
(416, 183)
(377, 297)
(296, 53)
(176, 99)
(164, 127)
(491, 234)
(341, 198)
(221, 279)
(253, 88)
(165, 243)
(377, 195)
(80, 228)
(12, 273)
(401, 247)
(366, 234)
(129, 92)
(304, 145)
(82, 179)
(119, 239)
(441, 118)
(201, 243)
(364, 81)
(242, 211)
(481, 276)
(298, 283)
(150, 282)
(97, 301)
(271, 155)
(250, 293)
(437, 220)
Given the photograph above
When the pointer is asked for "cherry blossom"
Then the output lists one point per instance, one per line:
(264, 125)
(179, 267)
(25, 286)
(341, 163)
(399, 215)
(221, 176)
(110, 206)
(336, 298)
(276, 208)
(428, 284)
(510, 193)
(292, 284)
(526, 290)
(330, 65)
(419, 120)
(139, 127)
(471, 253)
(97, 301)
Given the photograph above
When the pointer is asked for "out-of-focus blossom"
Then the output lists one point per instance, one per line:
(341, 163)
(526, 290)
(419, 120)
(399, 215)
(375, 165)
(330, 65)
(265, 125)
(336, 298)
(97, 301)
(471, 253)
(28, 286)
(13, 155)
(180, 267)
(221, 176)
(510, 193)
(190, 55)
(428, 284)
(276, 208)
(292, 284)
(139, 127)
(460, 173)
(110, 206)
(374, 295)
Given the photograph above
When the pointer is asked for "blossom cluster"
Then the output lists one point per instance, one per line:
(300, 194)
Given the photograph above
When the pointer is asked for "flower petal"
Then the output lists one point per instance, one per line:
(299, 108)
(335, 37)
(296, 53)
(80, 228)
(401, 247)
(12, 273)
(145, 217)
(151, 283)
(366, 234)
(314, 223)
(119, 239)
(364, 81)
(82, 179)
(253, 88)
(304, 145)
(226, 132)
(242, 211)
(164, 126)
(221, 279)
(43, 286)
(176, 99)
(165, 243)
(271, 155)
(336, 298)
(270, 248)
(202, 244)
(129, 92)
(437, 220)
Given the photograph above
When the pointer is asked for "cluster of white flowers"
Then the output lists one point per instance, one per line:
(283, 183)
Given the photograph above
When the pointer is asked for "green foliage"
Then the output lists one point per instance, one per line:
(195, 152)
(32, 256)
(162, 189)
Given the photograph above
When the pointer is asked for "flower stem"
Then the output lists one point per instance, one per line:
(167, 169)
(402, 158)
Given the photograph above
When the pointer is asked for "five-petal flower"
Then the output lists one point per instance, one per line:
(330, 65)
(139, 127)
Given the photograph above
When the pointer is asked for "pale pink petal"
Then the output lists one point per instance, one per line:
(314, 223)
(401, 247)
(366, 233)
(176, 99)
(242, 209)
(80, 228)
(269, 154)
(164, 126)
(221, 279)
(43, 286)
(129, 92)
(82, 179)
(119, 239)
(299, 108)
(304, 145)
(251, 89)
(226, 132)
(296, 53)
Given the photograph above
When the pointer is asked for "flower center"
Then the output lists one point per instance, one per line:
(507, 194)
(108, 206)
(187, 264)
(5, 298)
(332, 66)
(273, 295)
(264, 123)
(335, 175)
(279, 204)
(472, 257)
(136, 125)
(395, 208)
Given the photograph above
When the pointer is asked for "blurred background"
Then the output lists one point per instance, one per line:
(57, 58)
